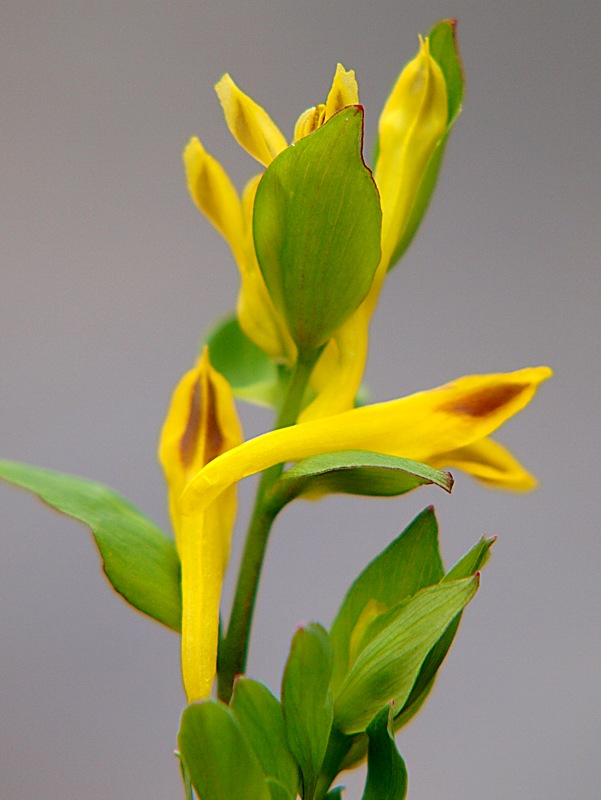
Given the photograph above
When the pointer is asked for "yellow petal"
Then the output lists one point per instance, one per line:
(250, 125)
(337, 377)
(491, 463)
(344, 91)
(256, 313)
(203, 565)
(309, 121)
(215, 195)
(412, 123)
(421, 427)
(201, 425)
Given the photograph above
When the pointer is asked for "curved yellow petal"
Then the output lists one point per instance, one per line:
(215, 195)
(256, 312)
(491, 463)
(201, 425)
(309, 121)
(337, 376)
(250, 125)
(413, 121)
(420, 427)
(344, 91)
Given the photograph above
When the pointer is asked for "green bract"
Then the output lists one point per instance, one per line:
(316, 227)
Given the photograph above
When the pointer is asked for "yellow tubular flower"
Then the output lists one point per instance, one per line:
(412, 123)
(428, 426)
(216, 197)
(201, 425)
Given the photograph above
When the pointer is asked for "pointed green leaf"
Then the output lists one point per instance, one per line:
(316, 225)
(386, 771)
(468, 565)
(386, 669)
(357, 472)
(411, 562)
(443, 50)
(251, 373)
(218, 756)
(472, 561)
(307, 701)
(261, 718)
(138, 559)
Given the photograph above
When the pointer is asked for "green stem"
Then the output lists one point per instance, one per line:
(233, 653)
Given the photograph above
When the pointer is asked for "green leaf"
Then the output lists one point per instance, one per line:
(316, 225)
(410, 563)
(261, 718)
(218, 756)
(386, 771)
(472, 562)
(251, 373)
(443, 50)
(138, 558)
(357, 472)
(335, 794)
(278, 791)
(307, 701)
(386, 669)
(185, 778)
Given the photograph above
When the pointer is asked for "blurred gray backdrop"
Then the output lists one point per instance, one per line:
(109, 275)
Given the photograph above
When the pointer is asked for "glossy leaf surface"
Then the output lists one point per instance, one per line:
(358, 472)
(218, 756)
(139, 560)
(316, 225)
(386, 669)
(386, 771)
(307, 701)
(410, 563)
(261, 717)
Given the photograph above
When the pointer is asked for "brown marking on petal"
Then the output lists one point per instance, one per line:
(486, 401)
(214, 437)
(339, 100)
(189, 441)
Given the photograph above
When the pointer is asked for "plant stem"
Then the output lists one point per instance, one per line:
(233, 653)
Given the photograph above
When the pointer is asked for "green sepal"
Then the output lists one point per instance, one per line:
(443, 49)
(359, 472)
(335, 793)
(218, 756)
(388, 666)
(410, 563)
(386, 771)
(316, 226)
(250, 372)
(139, 560)
(307, 701)
(261, 717)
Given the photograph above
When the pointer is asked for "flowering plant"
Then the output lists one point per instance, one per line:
(314, 236)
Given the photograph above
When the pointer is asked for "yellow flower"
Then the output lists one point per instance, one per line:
(446, 426)
(201, 425)
(412, 124)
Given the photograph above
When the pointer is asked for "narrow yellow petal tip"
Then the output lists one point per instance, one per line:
(250, 125)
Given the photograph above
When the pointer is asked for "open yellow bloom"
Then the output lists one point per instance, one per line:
(413, 122)
(201, 425)
(446, 426)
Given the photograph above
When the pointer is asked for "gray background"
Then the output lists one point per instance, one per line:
(108, 277)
